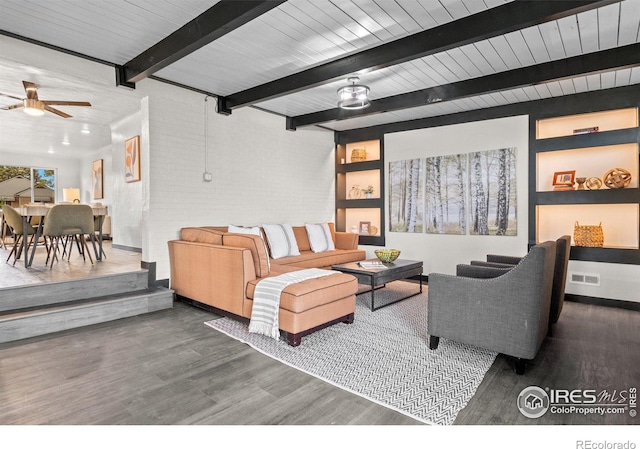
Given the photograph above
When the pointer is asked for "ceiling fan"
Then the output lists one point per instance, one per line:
(34, 106)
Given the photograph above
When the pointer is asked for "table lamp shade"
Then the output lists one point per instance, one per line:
(71, 195)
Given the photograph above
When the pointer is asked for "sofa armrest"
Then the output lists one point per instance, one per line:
(480, 272)
(482, 263)
(498, 258)
(346, 240)
(211, 274)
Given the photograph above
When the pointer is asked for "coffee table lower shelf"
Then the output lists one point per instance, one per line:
(379, 277)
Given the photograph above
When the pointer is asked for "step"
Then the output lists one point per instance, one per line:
(43, 294)
(32, 323)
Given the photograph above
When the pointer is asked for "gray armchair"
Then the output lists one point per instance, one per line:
(508, 314)
(496, 261)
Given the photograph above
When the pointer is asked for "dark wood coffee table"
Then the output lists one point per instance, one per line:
(376, 277)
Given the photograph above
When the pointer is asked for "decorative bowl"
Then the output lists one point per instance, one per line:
(387, 255)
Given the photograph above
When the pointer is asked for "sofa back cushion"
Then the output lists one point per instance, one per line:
(202, 235)
(253, 243)
(302, 238)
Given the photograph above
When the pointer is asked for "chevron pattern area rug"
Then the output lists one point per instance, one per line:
(384, 356)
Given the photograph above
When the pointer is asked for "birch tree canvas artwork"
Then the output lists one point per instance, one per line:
(446, 194)
(492, 176)
(460, 194)
(406, 200)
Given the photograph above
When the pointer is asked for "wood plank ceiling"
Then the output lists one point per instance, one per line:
(475, 63)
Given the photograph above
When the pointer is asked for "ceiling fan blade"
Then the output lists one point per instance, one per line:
(13, 106)
(31, 89)
(11, 96)
(56, 111)
(66, 103)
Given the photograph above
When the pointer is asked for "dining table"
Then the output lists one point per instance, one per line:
(41, 210)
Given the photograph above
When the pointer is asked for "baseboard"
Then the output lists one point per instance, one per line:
(127, 248)
(618, 303)
(162, 283)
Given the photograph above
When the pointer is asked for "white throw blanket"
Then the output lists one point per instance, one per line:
(266, 299)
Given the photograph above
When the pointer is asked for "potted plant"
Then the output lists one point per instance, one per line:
(368, 192)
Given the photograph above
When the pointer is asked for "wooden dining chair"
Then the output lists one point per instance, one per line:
(69, 220)
(16, 226)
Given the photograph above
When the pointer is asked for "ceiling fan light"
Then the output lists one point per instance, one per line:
(354, 96)
(33, 107)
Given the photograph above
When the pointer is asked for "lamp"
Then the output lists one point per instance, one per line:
(33, 106)
(353, 96)
(71, 195)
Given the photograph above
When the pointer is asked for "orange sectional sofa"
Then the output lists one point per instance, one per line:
(218, 270)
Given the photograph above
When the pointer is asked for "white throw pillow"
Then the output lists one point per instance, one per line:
(282, 241)
(241, 230)
(319, 237)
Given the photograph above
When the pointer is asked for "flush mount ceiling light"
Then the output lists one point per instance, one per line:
(353, 96)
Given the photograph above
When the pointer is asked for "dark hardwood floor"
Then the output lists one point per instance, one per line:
(167, 367)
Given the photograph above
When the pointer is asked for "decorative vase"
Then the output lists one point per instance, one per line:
(580, 182)
(355, 193)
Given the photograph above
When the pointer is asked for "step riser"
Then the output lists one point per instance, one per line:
(44, 294)
(48, 321)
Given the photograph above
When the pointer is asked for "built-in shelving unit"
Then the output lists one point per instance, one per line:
(587, 145)
(360, 165)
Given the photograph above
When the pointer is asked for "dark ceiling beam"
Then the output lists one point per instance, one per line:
(222, 18)
(607, 60)
(594, 101)
(493, 22)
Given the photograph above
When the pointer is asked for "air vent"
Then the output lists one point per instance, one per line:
(592, 279)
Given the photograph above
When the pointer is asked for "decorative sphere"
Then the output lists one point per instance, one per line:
(617, 178)
(387, 255)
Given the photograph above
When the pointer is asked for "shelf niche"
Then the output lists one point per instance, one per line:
(587, 162)
(604, 121)
(359, 180)
(372, 148)
(619, 222)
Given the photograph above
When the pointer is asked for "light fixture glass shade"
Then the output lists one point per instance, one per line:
(354, 96)
(71, 195)
(33, 107)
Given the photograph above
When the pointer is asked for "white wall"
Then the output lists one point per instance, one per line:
(262, 173)
(441, 253)
(67, 169)
(128, 198)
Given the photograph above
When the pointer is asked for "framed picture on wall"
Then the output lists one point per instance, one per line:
(132, 159)
(97, 179)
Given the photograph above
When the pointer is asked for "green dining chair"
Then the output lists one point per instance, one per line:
(67, 223)
(16, 225)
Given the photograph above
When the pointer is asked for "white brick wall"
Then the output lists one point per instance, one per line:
(261, 172)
